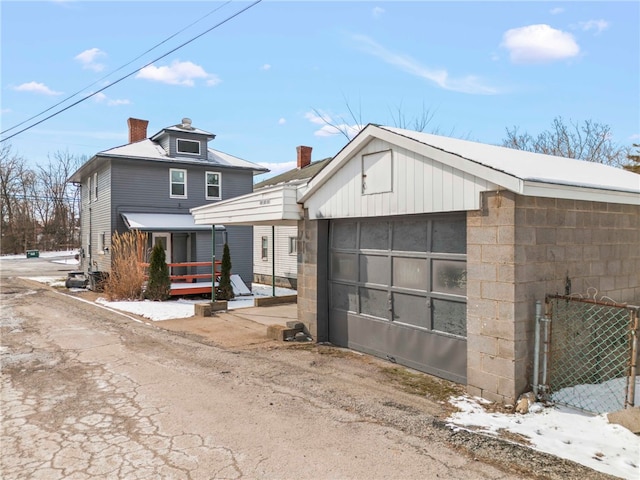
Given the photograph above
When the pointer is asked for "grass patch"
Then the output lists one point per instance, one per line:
(422, 384)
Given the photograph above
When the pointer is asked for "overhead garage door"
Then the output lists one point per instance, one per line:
(397, 290)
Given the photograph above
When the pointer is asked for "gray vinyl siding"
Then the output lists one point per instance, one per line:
(143, 186)
(240, 248)
(240, 239)
(140, 186)
(95, 218)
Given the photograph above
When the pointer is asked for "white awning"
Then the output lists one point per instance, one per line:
(268, 206)
(164, 222)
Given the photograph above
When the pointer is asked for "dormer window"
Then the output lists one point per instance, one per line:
(190, 147)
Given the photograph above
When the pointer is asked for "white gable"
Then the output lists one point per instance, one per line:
(384, 179)
(429, 173)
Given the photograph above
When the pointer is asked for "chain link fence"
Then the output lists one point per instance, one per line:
(589, 353)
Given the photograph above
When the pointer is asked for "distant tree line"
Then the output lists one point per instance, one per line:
(38, 208)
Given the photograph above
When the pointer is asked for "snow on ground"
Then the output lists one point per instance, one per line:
(62, 253)
(182, 308)
(561, 431)
(586, 439)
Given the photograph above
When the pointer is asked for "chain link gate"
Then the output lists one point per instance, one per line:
(589, 353)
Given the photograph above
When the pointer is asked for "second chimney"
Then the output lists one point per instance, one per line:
(304, 156)
(137, 129)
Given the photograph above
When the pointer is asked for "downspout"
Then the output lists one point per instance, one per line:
(543, 321)
(536, 351)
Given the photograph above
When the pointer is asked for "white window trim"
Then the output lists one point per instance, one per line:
(206, 186)
(89, 189)
(95, 187)
(293, 245)
(178, 140)
(171, 170)
(264, 248)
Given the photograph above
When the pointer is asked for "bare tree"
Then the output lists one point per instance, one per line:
(589, 140)
(38, 208)
(633, 165)
(56, 201)
(350, 125)
(16, 189)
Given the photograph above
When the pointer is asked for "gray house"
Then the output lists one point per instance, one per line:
(432, 251)
(150, 184)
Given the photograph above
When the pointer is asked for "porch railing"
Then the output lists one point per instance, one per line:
(178, 280)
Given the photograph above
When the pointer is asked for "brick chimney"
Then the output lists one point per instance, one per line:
(137, 129)
(304, 156)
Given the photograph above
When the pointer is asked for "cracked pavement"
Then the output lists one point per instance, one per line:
(89, 394)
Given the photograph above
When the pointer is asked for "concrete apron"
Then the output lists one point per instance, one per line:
(238, 328)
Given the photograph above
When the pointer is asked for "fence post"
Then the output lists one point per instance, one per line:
(631, 394)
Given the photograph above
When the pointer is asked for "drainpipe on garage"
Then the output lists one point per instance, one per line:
(536, 351)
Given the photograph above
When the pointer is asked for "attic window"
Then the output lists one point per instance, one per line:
(191, 147)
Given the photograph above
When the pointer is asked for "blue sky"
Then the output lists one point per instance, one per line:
(260, 80)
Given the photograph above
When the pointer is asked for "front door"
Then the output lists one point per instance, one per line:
(163, 239)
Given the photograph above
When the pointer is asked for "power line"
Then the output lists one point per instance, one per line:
(131, 73)
(116, 70)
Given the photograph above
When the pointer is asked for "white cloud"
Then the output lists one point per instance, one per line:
(36, 87)
(469, 84)
(178, 73)
(556, 11)
(597, 25)
(539, 44)
(118, 102)
(331, 126)
(266, 66)
(277, 168)
(102, 98)
(88, 59)
(377, 12)
(282, 121)
(5, 110)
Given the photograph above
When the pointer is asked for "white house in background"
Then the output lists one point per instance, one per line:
(432, 251)
(276, 247)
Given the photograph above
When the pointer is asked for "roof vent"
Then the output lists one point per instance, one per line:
(186, 124)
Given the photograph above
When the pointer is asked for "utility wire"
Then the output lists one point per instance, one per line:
(116, 70)
(133, 72)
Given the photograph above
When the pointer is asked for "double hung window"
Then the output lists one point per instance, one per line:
(213, 186)
(178, 181)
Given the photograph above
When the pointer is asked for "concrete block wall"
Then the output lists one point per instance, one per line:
(491, 332)
(522, 248)
(307, 274)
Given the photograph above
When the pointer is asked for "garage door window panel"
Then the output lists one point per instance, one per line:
(374, 236)
(411, 310)
(374, 302)
(343, 297)
(449, 235)
(449, 317)
(344, 235)
(374, 269)
(449, 276)
(410, 236)
(344, 266)
(411, 273)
